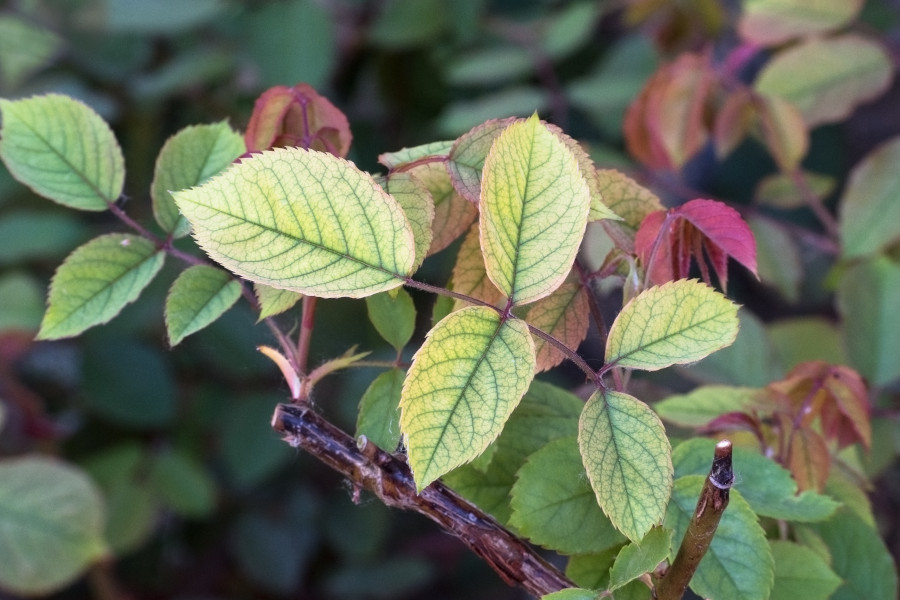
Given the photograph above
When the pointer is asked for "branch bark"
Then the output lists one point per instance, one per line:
(710, 506)
(390, 479)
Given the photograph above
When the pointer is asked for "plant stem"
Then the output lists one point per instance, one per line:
(307, 323)
(702, 528)
(390, 479)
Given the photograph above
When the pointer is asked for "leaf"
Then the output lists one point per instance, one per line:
(627, 198)
(805, 339)
(303, 221)
(469, 275)
(62, 150)
(641, 557)
(868, 295)
(534, 210)
(677, 323)
(464, 382)
(826, 79)
(393, 315)
(453, 214)
(627, 457)
(183, 484)
(860, 558)
(808, 459)
(416, 201)
(738, 564)
(733, 121)
(554, 506)
(773, 22)
(31, 235)
(703, 404)
(565, 315)
(801, 573)
(297, 116)
(571, 594)
(779, 261)
(592, 570)
(468, 154)
(199, 296)
(404, 156)
(24, 49)
(379, 410)
(666, 242)
(781, 191)
(783, 132)
(96, 281)
(273, 301)
(52, 521)
(766, 486)
(869, 212)
(189, 158)
(22, 306)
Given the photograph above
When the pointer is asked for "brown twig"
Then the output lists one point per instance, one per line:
(390, 479)
(710, 506)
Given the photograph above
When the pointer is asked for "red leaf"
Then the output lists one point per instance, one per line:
(297, 116)
(808, 459)
(666, 241)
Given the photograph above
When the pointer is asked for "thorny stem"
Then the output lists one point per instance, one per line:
(390, 479)
(702, 528)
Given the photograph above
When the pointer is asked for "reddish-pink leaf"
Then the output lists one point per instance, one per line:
(808, 459)
(297, 116)
(667, 241)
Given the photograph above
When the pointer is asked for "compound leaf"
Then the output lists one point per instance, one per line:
(96, 281)
(304, 221)
(199, 296)
(62, 150)
(628, 460)
(464, 382)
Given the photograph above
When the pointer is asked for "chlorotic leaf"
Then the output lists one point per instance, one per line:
(404, 156)
(534, 207)
(453, 214)
(565, 315)
(766, 486)
(379, 410)
(52, 520)
(826, 79)
(599, 210)
(468, 154)
(676, 323)
(738, 564)
(187, 159)
(553, 503)
(393, 315)
(801, 573)
(199, 296)
(773, 22)
(628, 460)
(273, 301)
(464, 382)
(869, 212)
(418, 205)
(627, 198)
(96, 281)
(641, 557)
(62, 150)
(304, 221)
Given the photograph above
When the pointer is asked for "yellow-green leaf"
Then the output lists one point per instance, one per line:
(24, 48)
(197, 298)
(96, 281)
(416, 201)
(464, 382)
(468, 154)
(469, 276)
(599, 210)
(628, 460)
(453, 214)
(404, 156)
(189, 158)
(62, 150)
(676, 323)
(773, 22)
(826, 79)
(565, 315)
(534, 208)
(273, 301)
(305, 221)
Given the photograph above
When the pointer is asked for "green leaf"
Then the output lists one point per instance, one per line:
(21, 308)
(468, 154)
(416, 201)
(392, 160)
(273, 301)
(826, 79)
(464, 382)
(767, 487)
(638, 558)
(676, 323)
(807, 339)
(628, 460)
(183, 484)
(394, 316)
(199, 296)
(96, 281)
(801, 573)
(703, 404)
(24, 48)
(738, 564)
(62, 150)
(379, 410)
(773, 22)
(187, 159)
(52, 520)
(777, 256)
(571, 594)
(553, 503)
(248, 451)
(869, 212)
(534, 207)
(867, 298)
(303, 221)
(592, 570)
(860, 558)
